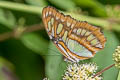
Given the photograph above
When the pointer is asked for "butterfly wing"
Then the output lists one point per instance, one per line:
(76, 40)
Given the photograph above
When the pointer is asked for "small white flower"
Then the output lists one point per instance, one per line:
(45, 79)
(77, 71)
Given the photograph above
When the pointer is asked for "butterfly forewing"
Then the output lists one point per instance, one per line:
(76, 40)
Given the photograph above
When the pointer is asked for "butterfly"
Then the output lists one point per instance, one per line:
(77, 40)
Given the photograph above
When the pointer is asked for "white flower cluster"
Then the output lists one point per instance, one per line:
(116, 57)
(81, 72)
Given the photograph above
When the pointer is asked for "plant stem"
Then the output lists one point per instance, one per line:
(106, 24)
(5, 36)
(12, 34)
(103, 70)
(21, 7)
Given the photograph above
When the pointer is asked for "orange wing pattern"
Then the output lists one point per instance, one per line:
(77, 40)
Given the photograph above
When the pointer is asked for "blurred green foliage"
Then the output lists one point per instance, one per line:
(33, 56)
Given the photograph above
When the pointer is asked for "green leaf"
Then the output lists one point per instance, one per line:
(94, 6)
(7, 19)
(35, 42)
(118, 76)
(37, 2)
(53, 58)
(104, 58)
(55, 65)
(110, 2)
(64, 4)
(28, 64)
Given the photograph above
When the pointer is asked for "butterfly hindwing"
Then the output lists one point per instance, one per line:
(77, 40)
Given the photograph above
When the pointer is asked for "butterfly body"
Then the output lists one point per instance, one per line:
(77, 40)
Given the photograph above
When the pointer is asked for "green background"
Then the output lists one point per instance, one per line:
(32, 56)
